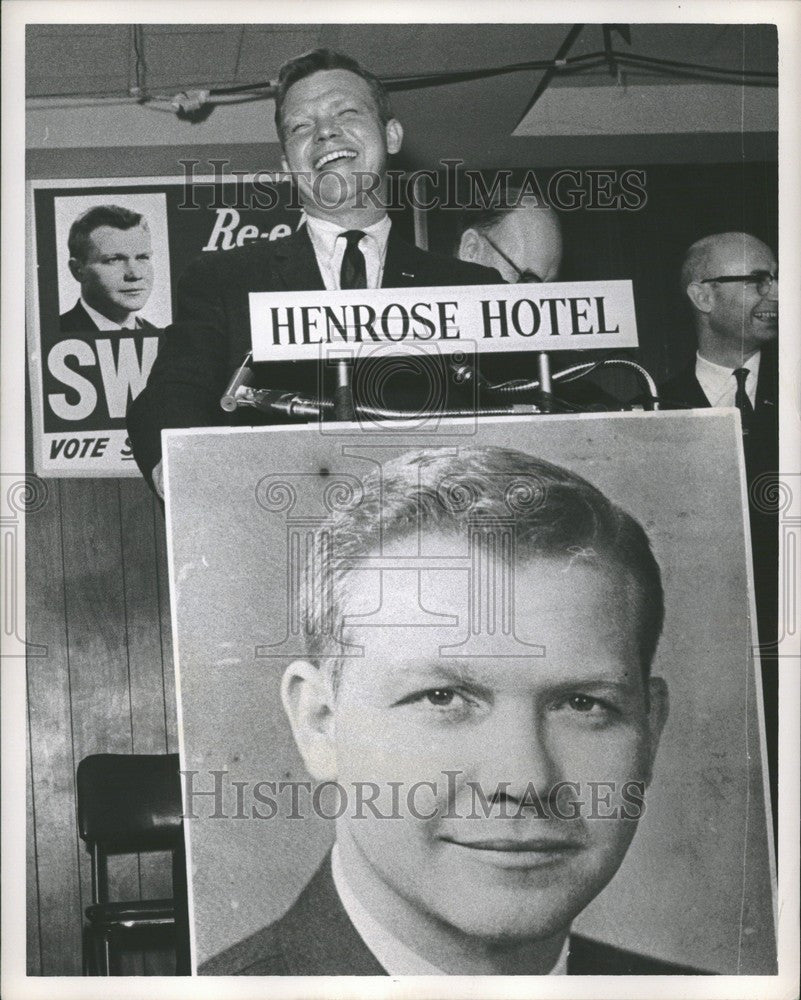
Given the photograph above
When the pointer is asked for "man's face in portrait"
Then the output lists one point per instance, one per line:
(116, 276)
(331, 132)
(572, 707)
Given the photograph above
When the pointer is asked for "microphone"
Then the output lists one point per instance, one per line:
(284, 401)
(241, 378)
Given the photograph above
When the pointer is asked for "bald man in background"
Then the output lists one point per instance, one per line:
(732, 283)
(524, 244)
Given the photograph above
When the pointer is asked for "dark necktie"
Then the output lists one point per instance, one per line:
(353, 273)
(741, 400)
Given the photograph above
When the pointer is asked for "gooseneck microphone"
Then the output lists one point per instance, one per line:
(241, 378)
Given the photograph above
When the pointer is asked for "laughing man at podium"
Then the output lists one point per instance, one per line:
(333, 118)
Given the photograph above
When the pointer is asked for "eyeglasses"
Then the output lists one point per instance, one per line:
(763, 280)
(523, 277)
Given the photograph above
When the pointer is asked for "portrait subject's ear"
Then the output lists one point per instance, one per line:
(76, 268)
(394, 131)
(658, 710)
(308, 702)
(700, 296)
(469, 245)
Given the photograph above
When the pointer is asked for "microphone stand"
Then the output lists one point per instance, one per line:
(343, 393)
(240, 392)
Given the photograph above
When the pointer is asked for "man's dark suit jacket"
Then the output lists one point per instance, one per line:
(316, 938)
(762, 447)
(209, 341)
(78, 320)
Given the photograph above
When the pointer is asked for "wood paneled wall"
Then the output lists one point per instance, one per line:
(98, 600)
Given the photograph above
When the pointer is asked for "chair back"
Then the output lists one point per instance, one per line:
(130, 802)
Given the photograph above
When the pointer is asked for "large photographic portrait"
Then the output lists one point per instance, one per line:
(442, 624)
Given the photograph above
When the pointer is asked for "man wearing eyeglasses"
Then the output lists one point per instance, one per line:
(522, 239)
(732, 283)
(524, 244)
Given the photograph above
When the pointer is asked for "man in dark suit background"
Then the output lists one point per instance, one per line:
(336, 130)
(732, 284)
(112, 259)
(731, 281)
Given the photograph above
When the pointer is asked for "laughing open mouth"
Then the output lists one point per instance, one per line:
(767, 315)
(334, 157)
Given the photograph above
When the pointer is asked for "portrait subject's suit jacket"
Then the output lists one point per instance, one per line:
(78, 320)
(212, 335)
(316, 938)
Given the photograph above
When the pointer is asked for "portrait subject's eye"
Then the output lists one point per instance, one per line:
(595, 710)
(440, 696)
(446, 702)
(582, 702)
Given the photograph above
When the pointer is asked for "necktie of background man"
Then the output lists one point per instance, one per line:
(741, 400)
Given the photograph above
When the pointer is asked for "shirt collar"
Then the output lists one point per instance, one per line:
(393, 954)
(716, 380)
(324, 234)
(104, 323)
(330, 230)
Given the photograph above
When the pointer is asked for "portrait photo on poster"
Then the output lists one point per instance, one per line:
(436, 659)
(125, 235)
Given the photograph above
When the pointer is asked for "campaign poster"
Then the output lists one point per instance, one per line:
(98, 302)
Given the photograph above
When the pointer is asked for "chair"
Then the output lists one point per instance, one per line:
(131, 804)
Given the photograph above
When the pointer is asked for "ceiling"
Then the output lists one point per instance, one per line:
(482, 121)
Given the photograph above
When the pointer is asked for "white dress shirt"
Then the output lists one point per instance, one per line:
(720, 385)
(104, 323)
(329, 245)
(392, 953)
